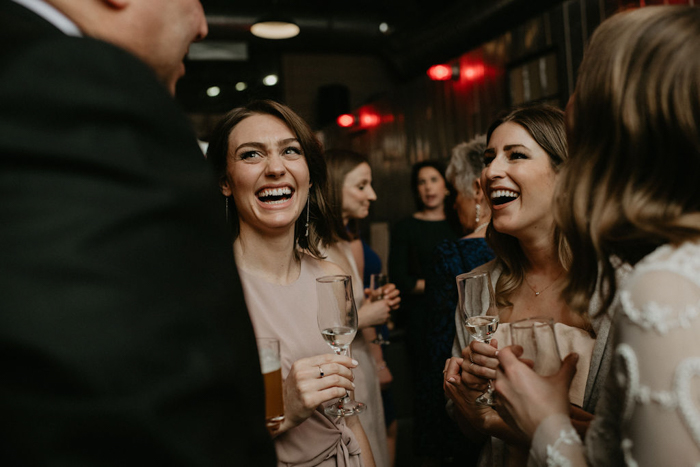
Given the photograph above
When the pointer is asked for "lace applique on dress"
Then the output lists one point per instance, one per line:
(678, 398)
(683, 261)
(661, 319)
(556, 458)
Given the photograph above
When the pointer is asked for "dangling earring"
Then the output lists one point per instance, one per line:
(308, 197)
(227, 209)
(478, 213)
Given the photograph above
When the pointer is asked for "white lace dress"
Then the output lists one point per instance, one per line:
(648, 413)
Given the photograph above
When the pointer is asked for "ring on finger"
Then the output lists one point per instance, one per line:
(321, 374)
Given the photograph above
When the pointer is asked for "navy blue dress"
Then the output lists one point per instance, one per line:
(437, 435)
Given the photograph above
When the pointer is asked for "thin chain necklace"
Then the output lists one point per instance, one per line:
(537, 294)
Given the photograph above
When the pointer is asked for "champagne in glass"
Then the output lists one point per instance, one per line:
(376, 284)
(539, 342)
(337, 321)
(477, 303)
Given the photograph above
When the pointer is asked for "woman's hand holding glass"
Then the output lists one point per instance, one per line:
(314, 381)
(375, 313)
(528, 398)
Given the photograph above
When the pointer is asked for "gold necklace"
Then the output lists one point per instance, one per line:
(537, 294)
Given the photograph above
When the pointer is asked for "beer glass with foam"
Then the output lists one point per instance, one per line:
(271, 367)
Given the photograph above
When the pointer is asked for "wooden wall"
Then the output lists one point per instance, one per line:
(424, 119)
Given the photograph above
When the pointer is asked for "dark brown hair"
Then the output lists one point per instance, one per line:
(319, 213)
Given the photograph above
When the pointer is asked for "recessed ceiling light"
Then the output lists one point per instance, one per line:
(384, 27)
(241, 86)
(270, 80)
(275, 29)
(213, 91)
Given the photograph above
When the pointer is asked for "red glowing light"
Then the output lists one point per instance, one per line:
(367, 119)
(346, 120)
(473, 72)
(440, 72)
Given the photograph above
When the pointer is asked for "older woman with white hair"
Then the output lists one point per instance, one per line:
(438, 436)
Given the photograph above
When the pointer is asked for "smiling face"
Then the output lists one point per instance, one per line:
(266, 174)
(358, 193)
(519, 182)
(431, 188)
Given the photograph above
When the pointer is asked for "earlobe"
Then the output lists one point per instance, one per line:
(225, 187)
(478, 192)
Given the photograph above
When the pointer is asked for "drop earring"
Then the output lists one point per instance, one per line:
(227, 209)
(307, 214)
(478, 213)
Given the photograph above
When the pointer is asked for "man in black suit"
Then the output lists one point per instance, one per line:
(124, 338)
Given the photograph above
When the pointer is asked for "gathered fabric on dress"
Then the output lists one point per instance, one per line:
(288, 313)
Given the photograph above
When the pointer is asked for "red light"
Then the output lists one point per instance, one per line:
(440, 72)
(473, 72)
(369, 120)
(346, 121)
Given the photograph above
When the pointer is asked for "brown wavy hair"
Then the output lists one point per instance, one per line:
(632, 182)
(320, 213)
(546, 126)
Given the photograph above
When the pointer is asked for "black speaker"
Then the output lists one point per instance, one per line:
(332, 100)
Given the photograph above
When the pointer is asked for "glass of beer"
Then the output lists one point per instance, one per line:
(271, 367)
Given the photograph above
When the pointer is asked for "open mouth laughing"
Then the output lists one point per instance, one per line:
(499, 197)
(275, 195)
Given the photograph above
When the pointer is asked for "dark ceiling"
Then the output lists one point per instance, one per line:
(421, 33)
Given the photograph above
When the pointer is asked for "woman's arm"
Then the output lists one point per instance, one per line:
(367, 456)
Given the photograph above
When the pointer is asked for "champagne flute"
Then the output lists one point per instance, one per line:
(376, 284)
(337, 321)
(478, 307)
(539, 342)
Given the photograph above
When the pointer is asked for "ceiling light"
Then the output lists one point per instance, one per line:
(213, 91)
(241, 86)
(275, 29)
(384, 27)
(270, 80)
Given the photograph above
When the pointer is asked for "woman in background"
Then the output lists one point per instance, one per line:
(351, 192)
(272, 173)
(630, 192)
(439, 437)
(413, 241)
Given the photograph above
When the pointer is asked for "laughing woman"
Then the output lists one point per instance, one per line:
(524, 153)
(273, 175)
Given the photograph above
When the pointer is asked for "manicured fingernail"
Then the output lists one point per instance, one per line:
(496, 353)
(355, 362)
(451, 380)
(353, 385)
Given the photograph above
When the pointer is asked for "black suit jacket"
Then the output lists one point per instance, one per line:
(124, 337)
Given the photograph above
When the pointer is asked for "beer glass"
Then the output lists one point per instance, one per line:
(271, 367)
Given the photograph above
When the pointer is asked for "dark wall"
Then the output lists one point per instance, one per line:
(424, 119)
